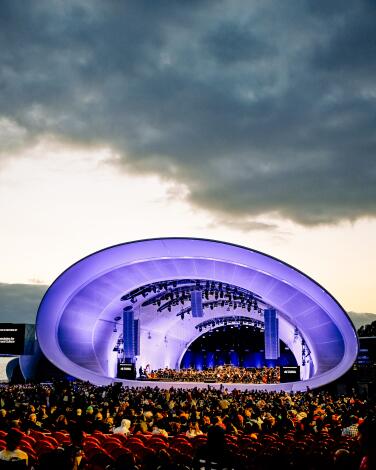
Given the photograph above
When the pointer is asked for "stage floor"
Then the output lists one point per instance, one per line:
(287, 387)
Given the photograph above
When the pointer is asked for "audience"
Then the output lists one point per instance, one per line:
(194, 428)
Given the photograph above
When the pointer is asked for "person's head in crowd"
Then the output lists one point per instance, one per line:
(367, 440)
(342, 459)
(13, 439)
(77, 436)
(216, 438)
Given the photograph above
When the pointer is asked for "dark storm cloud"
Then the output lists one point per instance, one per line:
(257, 107)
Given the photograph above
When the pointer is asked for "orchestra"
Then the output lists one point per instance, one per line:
(219, 374)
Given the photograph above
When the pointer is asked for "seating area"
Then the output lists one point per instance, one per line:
(77, 425)
(248, 451)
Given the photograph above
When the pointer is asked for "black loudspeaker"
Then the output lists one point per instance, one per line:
(271, 334)
(126, 370)
(290, 374)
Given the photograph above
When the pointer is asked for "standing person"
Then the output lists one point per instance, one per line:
(12, 453)
(214, 454)
(367, 440)
(68, 457)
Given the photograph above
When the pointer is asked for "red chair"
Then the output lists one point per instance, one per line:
(142, 436)
(136, 440)
(157, 445)
(144, 454)
(29, 439)
(93, 440)
(91, 449)
(43, 450)
(134, 446)
(119, 451)
(36, 434)
(44, 443)
(110, 446)
(119, 437)
(99, 435)
(61, 436)
(26, 446)
(122, 438)
(100, 460)
(46, 438)
(91, 444)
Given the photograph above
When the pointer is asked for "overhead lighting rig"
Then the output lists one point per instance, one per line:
(230, 320)
(171, 293)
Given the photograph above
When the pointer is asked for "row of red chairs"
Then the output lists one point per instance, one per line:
(100, 448)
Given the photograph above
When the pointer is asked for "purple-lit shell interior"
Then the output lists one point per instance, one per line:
(76, 316)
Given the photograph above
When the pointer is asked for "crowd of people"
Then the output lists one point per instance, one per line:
(256, 430)
(220, 374)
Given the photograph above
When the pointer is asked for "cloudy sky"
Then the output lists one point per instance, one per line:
(250, 122)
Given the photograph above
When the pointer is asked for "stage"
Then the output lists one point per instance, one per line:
(192, 303)
(165, 385)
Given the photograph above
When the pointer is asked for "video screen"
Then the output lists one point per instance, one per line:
(16, 338)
